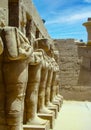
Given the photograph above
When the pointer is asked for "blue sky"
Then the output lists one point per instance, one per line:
(64, 18)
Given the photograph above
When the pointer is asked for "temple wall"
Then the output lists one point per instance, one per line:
(29, 9)
(75, 70)
(36, 17)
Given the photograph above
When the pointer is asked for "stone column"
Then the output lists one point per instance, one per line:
(88, 28)
(15, 75)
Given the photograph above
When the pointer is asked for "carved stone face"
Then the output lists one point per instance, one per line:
(36, 58)
(43, 43)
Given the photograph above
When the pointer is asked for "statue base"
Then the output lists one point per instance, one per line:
(49, 117)
(55, 109)
(37, 127)
(58, 104)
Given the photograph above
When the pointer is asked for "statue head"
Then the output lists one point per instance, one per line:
(42, 43)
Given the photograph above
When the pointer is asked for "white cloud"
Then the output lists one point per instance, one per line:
(70, 19)
(88, 1)
(70, 16)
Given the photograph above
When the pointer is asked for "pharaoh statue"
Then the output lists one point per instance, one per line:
(44, 45)
(54, 97)
(13, 77)
(31, 100)
(52, 80)
(53, 84)
(49, 80)
(58, 96)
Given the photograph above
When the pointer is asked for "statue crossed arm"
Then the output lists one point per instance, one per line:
(14, 53)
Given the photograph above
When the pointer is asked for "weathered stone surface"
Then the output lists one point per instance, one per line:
(75, 66)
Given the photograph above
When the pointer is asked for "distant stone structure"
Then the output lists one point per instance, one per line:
(75, 66)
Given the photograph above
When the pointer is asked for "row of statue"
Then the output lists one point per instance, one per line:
(29, 79)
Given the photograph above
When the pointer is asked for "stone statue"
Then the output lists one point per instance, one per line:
(44, 45)
(48, 85)
(13, 77)
(31, 99)
(54, 98)
(58, 96)
(42, 88)
(56, 57)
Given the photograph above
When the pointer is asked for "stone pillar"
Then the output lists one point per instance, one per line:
(88, 28)
(15, 75)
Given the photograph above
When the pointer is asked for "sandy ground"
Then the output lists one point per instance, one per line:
(74, 115)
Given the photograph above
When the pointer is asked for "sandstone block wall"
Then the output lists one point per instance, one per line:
(36, 17)
(29, 9)
(75, 70)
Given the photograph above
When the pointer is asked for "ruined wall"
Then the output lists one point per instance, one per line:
(75, 70)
